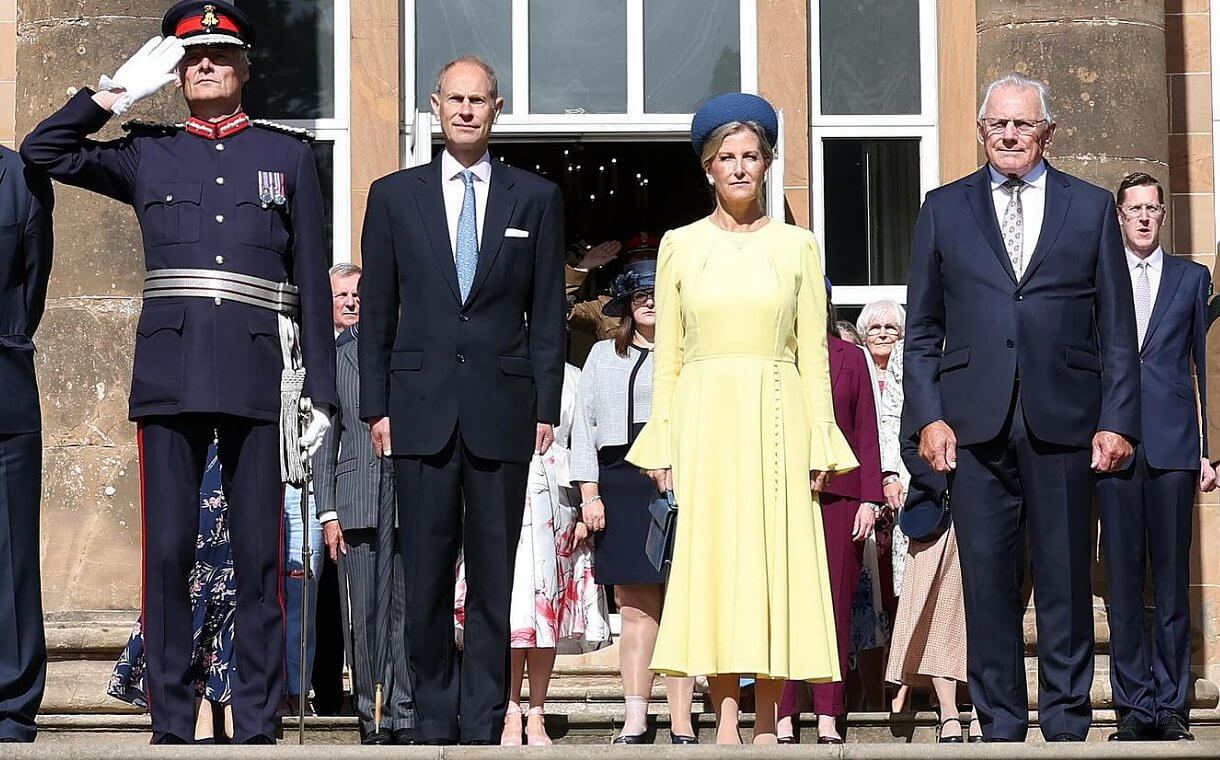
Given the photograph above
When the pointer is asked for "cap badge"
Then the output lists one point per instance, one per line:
(209, 18)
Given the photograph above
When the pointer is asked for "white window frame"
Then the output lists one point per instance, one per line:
(337, 131)
(921, 126)
(635, 124)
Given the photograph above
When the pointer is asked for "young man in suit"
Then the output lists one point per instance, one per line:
(25, 265)
(1147, 509)
(461, 369)
(1022, 377)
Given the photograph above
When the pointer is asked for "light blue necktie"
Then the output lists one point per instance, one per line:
(467, 258)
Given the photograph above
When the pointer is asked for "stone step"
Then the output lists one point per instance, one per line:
(591, 728)
(79, 687)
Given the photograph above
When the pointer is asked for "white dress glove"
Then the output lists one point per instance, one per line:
(151, 68)
(311, 439)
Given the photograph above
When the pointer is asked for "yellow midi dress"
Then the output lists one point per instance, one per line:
(742, 412)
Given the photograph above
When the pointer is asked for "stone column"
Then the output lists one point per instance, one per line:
(91, 509)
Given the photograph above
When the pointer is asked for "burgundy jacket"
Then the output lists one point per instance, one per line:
(856, 415)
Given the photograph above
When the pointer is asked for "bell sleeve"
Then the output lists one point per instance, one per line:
(653, 447)
(828, 449)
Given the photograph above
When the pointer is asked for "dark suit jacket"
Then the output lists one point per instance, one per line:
(1176, 337)
(856, 416)
(493, 364)
(347, 474)
(25, 265)
(1067, 329)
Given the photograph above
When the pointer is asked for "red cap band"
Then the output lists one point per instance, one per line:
(195, 24)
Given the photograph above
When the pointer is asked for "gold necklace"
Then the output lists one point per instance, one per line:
(739, 239)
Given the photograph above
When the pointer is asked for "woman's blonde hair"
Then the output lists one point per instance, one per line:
(711, 146)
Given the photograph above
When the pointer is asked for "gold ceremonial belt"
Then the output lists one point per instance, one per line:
(280, 297)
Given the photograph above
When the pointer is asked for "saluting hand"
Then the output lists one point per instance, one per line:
(151, 68)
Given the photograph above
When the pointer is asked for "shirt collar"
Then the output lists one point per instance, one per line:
(451, 167)
(1155, 260)
(1035, 176)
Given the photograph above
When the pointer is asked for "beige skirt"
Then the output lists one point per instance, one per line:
(929, 638)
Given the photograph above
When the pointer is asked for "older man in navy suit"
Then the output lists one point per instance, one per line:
(1022, 379)
(25, 264)
(1146, 510)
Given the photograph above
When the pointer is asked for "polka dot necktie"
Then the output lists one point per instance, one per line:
(1014, 226)
(467, 254)
(1143, 302)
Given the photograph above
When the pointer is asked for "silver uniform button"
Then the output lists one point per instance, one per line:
(220, 218)
(220, 146)
(220, 180)
(216, 300)
(169, 198)
(220, 259)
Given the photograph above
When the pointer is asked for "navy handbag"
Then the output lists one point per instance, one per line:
(662, 524)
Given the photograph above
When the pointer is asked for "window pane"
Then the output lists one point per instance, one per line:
(447, 29)
(324, 159)
(578, 56)
(692, 51)
(292, 73)
(870, 56)
(871, 189)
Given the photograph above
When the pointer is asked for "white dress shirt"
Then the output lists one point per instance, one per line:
(1156, 263)
(1033, 207)
(455, 192)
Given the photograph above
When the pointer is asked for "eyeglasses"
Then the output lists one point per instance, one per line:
(641, 297)
(1138, 210)
(1023, 126)
(889, 329)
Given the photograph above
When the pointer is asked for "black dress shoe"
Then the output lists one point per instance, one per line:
(477, 742)
(1065, 737)
(1172, 728)
(380, 737)
(683, 739)
(1131, 729)
(404, 736)
(829, 740)
(629, 739)
(169, 739)
(260, 739)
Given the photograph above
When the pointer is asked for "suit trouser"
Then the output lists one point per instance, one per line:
(1005, 489)
(23, 649)
(173, 452)
(844, 558)
(445, 501)
(360, 593)
(1146, 516)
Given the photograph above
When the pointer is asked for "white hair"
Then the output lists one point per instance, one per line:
(877, 310)
(1020, 82)
(345, 270)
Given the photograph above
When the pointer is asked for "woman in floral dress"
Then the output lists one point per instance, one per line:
(213, 593)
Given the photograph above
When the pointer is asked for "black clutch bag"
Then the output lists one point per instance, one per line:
(662, 523)
(925, 516)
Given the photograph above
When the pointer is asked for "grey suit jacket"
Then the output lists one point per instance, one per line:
(347, 475)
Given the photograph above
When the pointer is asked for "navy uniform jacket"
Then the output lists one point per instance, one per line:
(1066, 329)
(491, 366)
(1176, 336)
(25, 264)
(197, 201)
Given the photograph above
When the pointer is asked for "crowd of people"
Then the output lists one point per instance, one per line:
(830, 515)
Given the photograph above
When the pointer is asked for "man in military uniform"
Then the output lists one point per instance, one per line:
(236, 296)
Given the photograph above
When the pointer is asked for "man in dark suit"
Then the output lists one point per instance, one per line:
(25, 265)
(461, 369)
(1022, 377)
(1147, 510)
(232, 220)
(354, 491)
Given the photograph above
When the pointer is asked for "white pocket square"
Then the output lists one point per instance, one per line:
(514, 232)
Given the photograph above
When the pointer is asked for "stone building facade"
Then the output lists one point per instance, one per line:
(878, 96)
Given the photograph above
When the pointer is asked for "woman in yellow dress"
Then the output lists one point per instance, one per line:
(742, 427)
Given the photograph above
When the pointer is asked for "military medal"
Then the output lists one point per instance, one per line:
(271, 188)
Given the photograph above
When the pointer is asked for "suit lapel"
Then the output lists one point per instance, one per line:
(1055, 211)
(836, 363)
(350, 356)
(500, 202)
(1171, 276)
(430, 200)
(978, 190)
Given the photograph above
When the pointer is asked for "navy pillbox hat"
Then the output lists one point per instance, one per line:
(729, 107)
